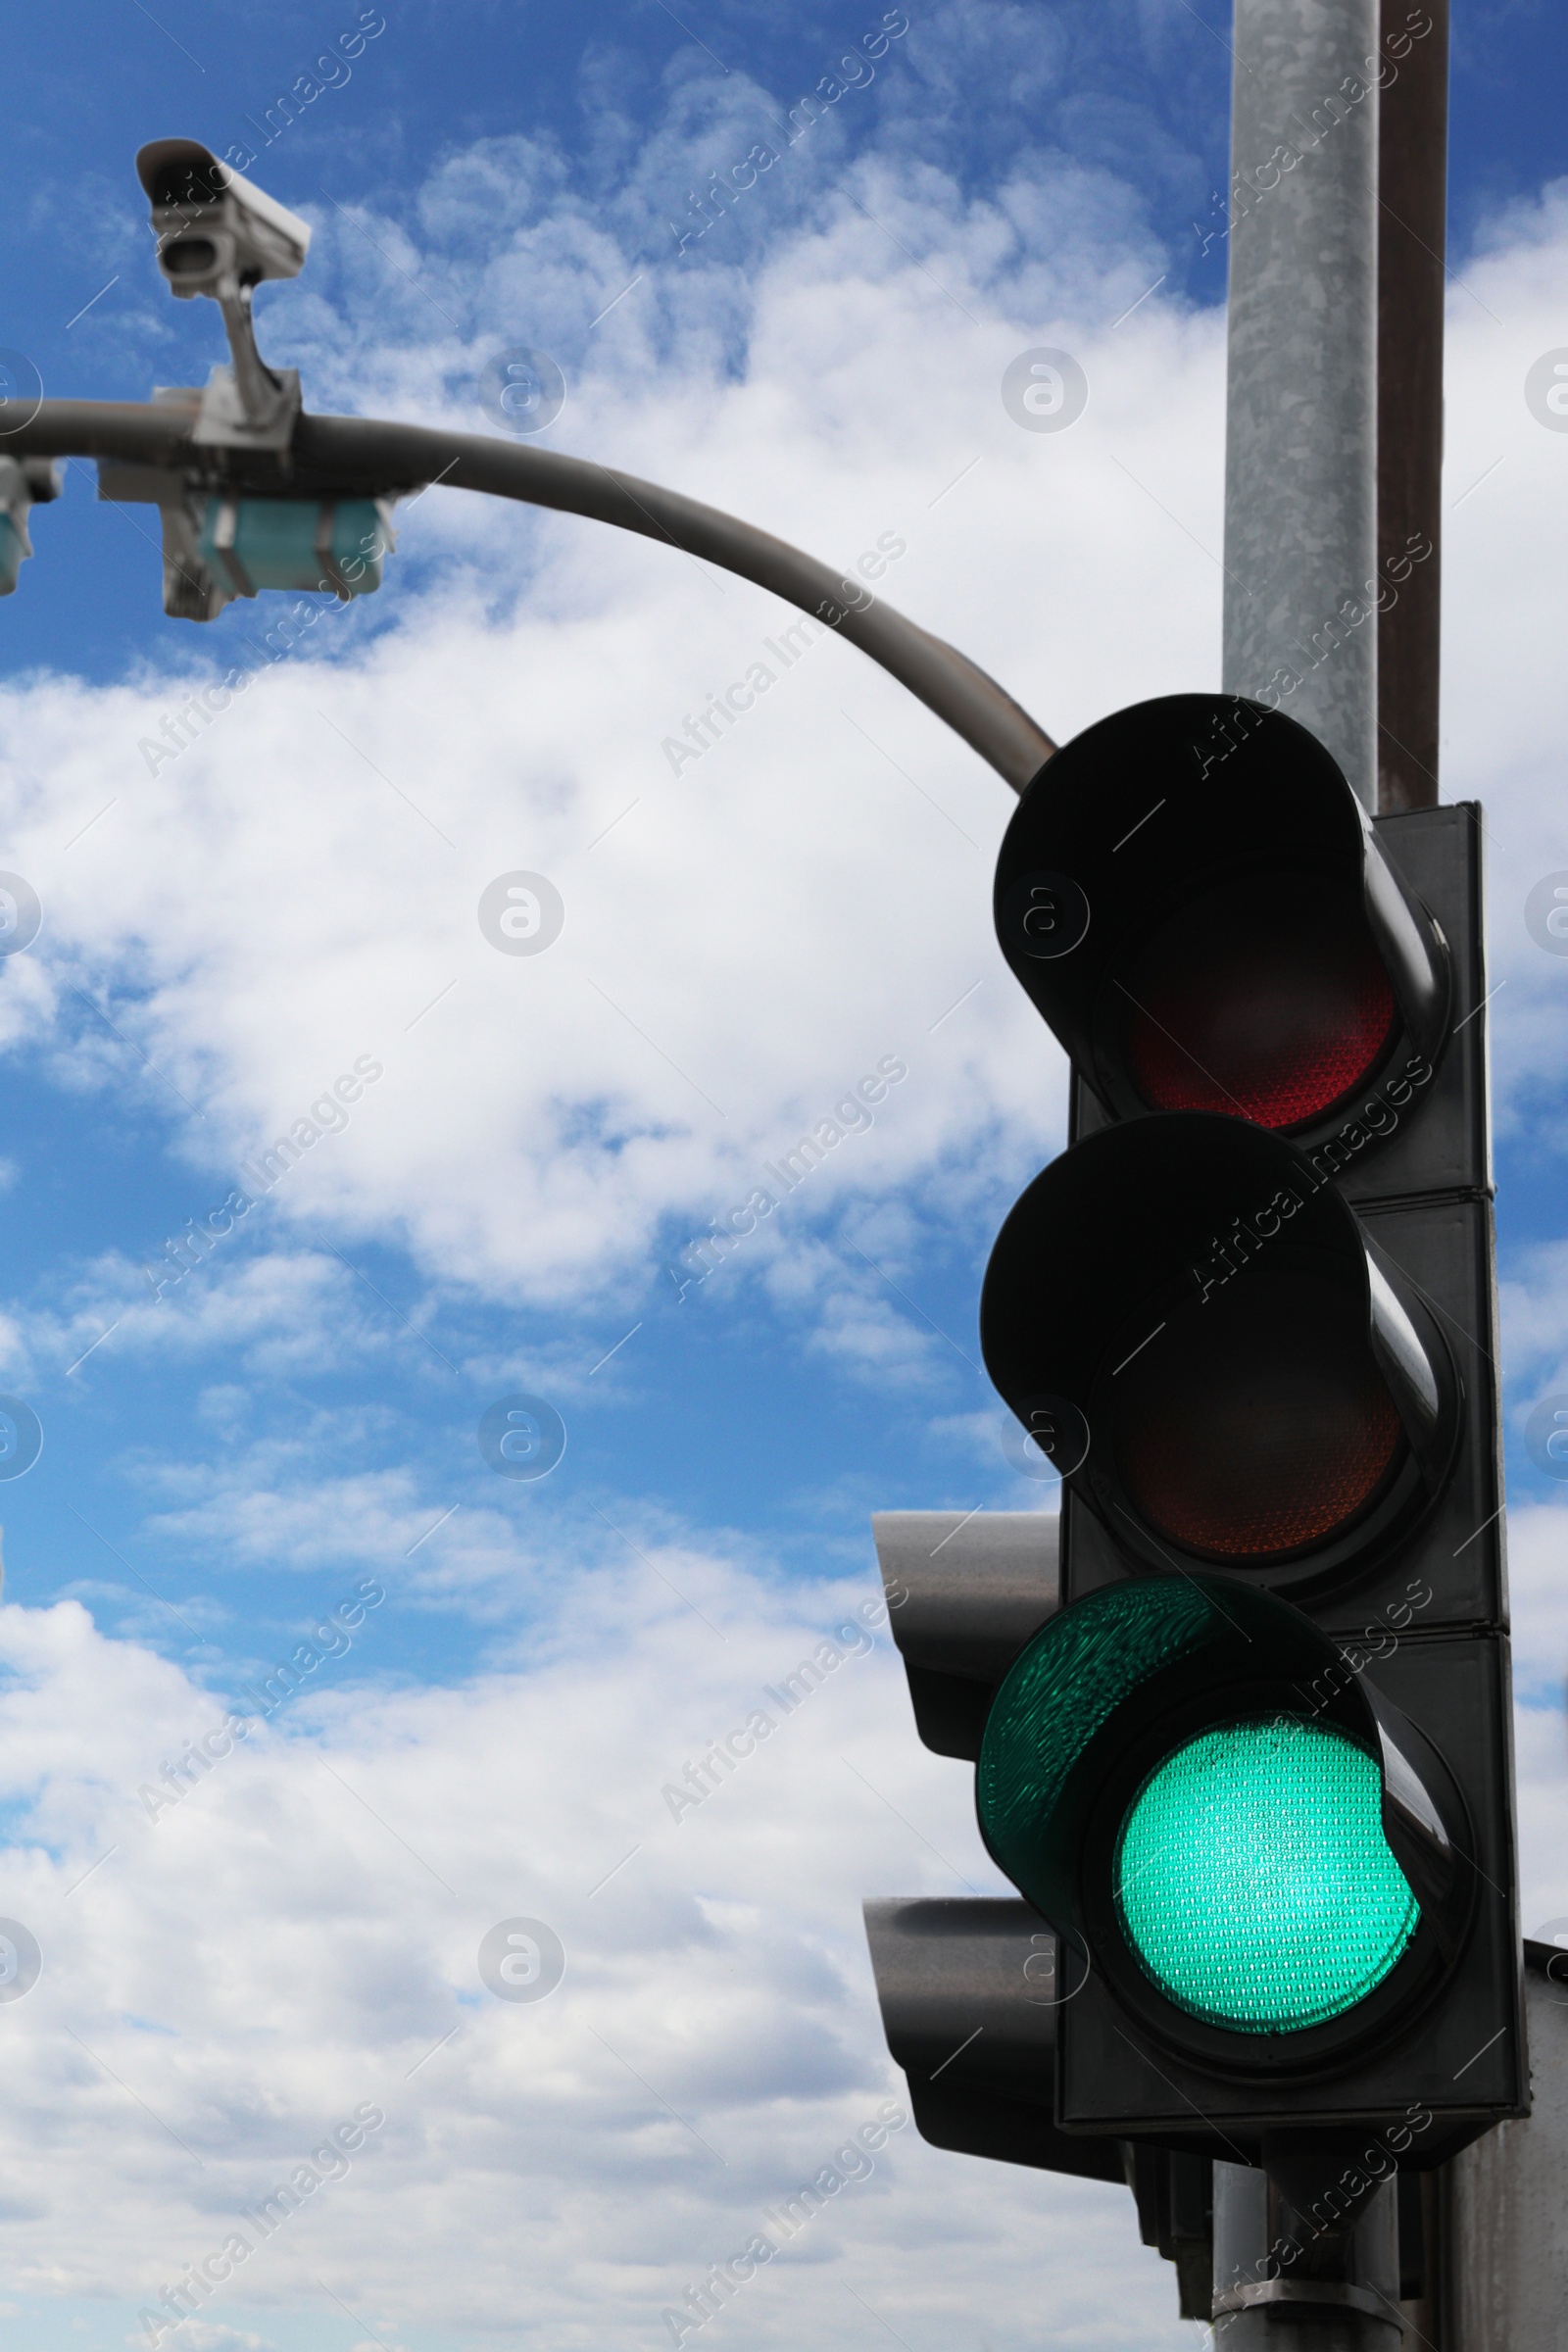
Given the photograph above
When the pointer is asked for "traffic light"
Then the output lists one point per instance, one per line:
(1280, 1885)
(1257, 1770)
(247, 543)
(222, 544)
(1243, 1738)
(1233, 1368)
(1193, 897)
(972, 1989)
(967, 1989)
(969, 1994)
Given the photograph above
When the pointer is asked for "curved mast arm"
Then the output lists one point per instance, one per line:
(337, 453)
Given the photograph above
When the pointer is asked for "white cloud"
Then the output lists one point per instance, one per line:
(1534, 1306)
(299, 1936)
(276, 1311)
(750, 938)
(200, 2336)
(1503, 692)
(295, 1941)
(1538, 1543)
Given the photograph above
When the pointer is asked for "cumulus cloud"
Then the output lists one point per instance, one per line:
(295, 1943)
(745, 938)
(200, 2336)
(742, 939)
(227, 1979)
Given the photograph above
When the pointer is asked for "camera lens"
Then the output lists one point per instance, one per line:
(189, 256)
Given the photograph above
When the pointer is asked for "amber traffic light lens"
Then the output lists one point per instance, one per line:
(1270, 1004)
(1256, 1425)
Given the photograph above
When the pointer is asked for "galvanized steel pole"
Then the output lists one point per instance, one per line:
(1412, 236)
(1301, 459)
(1504, 2280)
(1300, 633)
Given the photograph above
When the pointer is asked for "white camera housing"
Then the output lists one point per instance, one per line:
(216, 233)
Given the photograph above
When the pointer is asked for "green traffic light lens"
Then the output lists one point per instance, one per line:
(1254, 1879)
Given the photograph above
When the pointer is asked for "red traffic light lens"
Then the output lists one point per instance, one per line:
(1270, 1004)
(1256, 1425)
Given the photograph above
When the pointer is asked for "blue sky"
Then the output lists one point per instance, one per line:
(297, 894)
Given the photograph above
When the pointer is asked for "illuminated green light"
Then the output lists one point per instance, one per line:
(1254, 1881)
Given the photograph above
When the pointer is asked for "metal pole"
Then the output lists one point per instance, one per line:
(1300, 633)
(333, 453)
(1504, 2233)
(1300, 459)
(1412, 221)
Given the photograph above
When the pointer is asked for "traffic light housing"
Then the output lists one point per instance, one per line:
(964, 1593)
(1193, 898)
(1262, 1753)
(219, 543)
(247, 544)
(1254, 1770)
(969, 1997)
(1282, 1892)
(1231, 1367)
(968, 1989)
(972, 1989)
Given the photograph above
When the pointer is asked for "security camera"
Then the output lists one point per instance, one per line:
(220, 236)
(216, 233)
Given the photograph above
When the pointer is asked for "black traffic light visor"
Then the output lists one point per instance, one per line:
(1263, 1857)
(968, 1991)
(1195, 901)
(1201, 1335)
